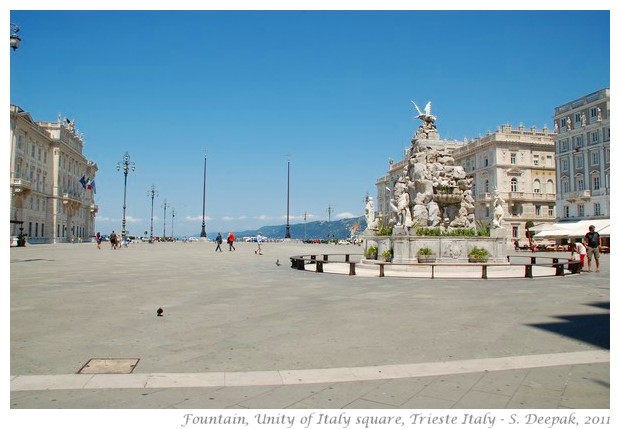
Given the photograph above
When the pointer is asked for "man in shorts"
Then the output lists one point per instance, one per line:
(592, 241)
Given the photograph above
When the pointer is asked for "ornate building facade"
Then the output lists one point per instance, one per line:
(582, 146)
(50, 199)
(518, 163)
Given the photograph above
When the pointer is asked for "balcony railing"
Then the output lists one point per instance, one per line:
(578, 195)
(21, 185)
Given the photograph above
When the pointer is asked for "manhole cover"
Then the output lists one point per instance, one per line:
(109, 366)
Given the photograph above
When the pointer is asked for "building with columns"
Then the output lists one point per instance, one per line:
(583, 157)
(49, 202)
(520, 164)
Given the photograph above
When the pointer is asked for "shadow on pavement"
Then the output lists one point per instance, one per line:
(589, 328)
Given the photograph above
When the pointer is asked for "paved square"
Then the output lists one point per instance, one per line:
(240, 331)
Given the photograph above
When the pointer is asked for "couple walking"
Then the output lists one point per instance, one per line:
(230, 240)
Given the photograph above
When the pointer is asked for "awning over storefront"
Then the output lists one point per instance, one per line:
(572, 229)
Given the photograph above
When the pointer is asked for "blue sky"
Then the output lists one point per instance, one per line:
(329, 90)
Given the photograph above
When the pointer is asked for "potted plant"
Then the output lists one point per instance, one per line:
(387, 255)
(426, 255)
(478, 254)
(371, 252)
(21, 239)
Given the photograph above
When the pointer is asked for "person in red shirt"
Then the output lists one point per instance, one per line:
(231, 241)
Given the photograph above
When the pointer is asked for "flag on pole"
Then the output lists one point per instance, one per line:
(91, 186)
(83, 181)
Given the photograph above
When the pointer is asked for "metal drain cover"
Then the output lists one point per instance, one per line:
(109, 366)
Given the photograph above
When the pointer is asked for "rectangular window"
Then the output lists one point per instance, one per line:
(580, 184)
(536, 160)
(577, 118)
(593, 112)
(597, 209)
(550, 211)
(564, 163)
(513, 158)
(596, 183)
(581, 210)
(515, 232)
(564, 145)
(579, 161)
(594, 137)
(578, 142)
(563, 122)
(566, 211)
(538, 210)
(595, 158)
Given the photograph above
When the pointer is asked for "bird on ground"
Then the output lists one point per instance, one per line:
(278, 262)
(160, 312)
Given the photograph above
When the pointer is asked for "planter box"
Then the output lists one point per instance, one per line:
(478, 260)
(427, 259)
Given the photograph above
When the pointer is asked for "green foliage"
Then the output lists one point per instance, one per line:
(427, 232)
(384, 229)
(371, 252)
(484, 228)
(425, 251)
(479, 253)
(387, 254)
(456, 232)
(444, 189)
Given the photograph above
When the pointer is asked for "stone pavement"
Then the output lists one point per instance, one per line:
(240, 331)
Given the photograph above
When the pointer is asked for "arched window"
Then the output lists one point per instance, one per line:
(537, 186)
(550, 189)
(513, 184)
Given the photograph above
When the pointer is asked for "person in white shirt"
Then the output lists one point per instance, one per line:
(581, 250)
(259, 241)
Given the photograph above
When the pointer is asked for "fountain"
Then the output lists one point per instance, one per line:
(432, 205)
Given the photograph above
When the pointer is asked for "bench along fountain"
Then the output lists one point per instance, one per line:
(432, 210)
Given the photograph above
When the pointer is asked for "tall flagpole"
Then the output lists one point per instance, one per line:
(287, 234)
(203, 232)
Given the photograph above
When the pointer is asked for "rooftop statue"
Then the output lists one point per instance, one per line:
(427, 130)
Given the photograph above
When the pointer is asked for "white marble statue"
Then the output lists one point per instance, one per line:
(371, 220)
(498, 210)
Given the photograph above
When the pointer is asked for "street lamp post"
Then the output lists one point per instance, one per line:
(287, 234)
(125, 165)
(165, 206)
(15, 40)
(203, 232)
(172, 233)
(152, 193)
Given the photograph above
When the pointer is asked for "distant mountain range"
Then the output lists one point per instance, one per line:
(323, 230)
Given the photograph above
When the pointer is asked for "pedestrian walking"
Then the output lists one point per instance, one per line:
(98, 239)
(592, 241)
(113, 240)
(218, 240)
(259, 243)
(231, 241)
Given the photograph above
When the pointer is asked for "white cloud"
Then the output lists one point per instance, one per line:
(345, 215)
(196, 218)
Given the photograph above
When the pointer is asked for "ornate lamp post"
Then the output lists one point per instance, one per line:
(152, 193)
(165, 206)
(125, 165)
(15, 40)
(203, 232)
(287, 234)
